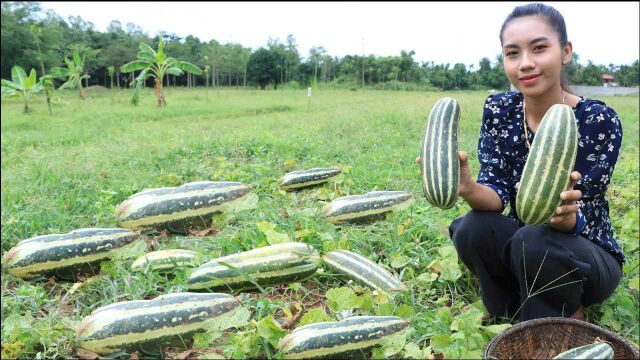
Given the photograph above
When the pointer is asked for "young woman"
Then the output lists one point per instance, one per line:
(574, 256)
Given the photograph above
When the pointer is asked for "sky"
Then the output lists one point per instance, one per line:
(442, 32)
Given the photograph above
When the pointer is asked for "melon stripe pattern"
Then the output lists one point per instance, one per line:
(59, 253)
(440, 165)
(303, 178)
(363, 270)
(150, 324)
(372, 205)
(269, 265)
(176, 208)
(547, 172)
(166, 260)
(598, 350)
(356, 334)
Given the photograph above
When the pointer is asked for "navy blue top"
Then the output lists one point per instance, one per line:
(502, 152)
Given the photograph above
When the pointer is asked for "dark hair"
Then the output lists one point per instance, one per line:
(554, 19)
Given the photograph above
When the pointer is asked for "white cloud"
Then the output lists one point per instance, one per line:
(443, 32)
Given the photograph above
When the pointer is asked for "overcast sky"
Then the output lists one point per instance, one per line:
(447, 32)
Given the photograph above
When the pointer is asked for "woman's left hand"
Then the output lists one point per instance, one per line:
(565, 215)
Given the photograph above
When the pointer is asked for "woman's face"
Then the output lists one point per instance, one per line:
(533, 56)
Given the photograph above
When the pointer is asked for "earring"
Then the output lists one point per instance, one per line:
(564, 62)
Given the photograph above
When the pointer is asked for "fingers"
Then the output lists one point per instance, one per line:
(561, 218)
(571, 195)
(575, 177)
(463, 156)
(518, 185)
(567, 209)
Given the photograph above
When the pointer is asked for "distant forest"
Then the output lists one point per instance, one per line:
(34, 38)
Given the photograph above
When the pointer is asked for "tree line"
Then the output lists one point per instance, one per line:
(33, 38)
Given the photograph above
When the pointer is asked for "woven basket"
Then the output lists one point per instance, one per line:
(548, 337)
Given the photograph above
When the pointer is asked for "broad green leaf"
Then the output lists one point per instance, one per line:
(70, 65)
(273, 237)
(37, 88)
(413, 351)
(189, 67)
(146, 48)
(146, 56)
(69, 84)
(471, 354)
(390, 346)
(160, 55)
(58, 72)
(269, 329)
(134, 65)
(385, 310)
(30, 81)
(314, 316)
(634, 283)
(16, 324)
(11, 85)
(18, 75)
(174, 71)
(342, 298)
(440, 343)
(76, 58)
(216, 326)
(8, 92)
(405, 311)
(496, 329)
(398, 261)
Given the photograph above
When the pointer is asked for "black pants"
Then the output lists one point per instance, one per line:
(508, 261)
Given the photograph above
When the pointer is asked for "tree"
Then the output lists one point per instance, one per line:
(592, 75)
(73, 73)
(37, 35)
(315, 54)
(22, 85)
(111, 70)
(262, 68)
(156, 64)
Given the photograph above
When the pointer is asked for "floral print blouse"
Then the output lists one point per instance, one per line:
(502, 152)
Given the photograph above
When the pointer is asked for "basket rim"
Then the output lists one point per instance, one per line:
(554, 320)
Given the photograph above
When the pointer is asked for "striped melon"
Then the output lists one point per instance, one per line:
(551, 160)
(304, 178)
(366, 208)
(148, 325)
(178, 208)
(269, 265)
(65, 255)
(352, 336)
(440, 165)
(363, 270)
(597, 350)
(166, 260)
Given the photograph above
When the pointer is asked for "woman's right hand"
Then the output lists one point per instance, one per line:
(466, 181)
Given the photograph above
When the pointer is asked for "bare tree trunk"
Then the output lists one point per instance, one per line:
(159, 93)
(229, 74)
(245, 75)
(118, 79)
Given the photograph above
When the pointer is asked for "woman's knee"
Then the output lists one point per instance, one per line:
(471, 230)
(535, 251)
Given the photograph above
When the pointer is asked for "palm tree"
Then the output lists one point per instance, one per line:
(21, 85)
(156, 64)
(73, 73)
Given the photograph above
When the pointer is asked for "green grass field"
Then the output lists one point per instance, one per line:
(70, 171)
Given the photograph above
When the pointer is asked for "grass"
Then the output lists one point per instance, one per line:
(71, 170)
